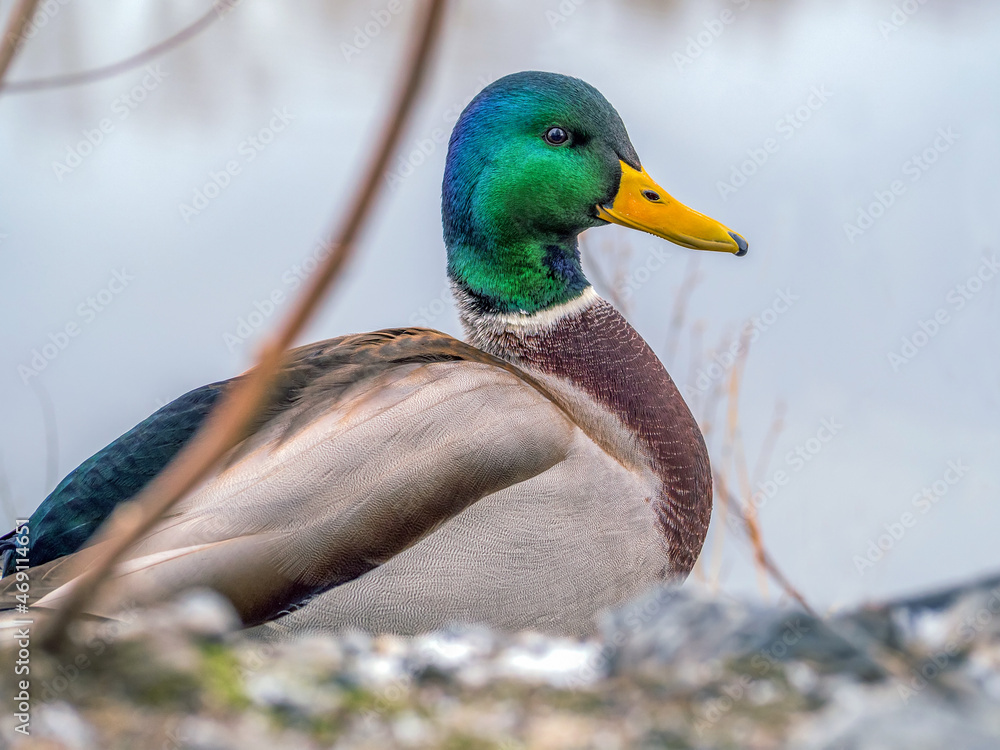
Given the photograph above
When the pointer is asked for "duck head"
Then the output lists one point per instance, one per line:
(535, 159)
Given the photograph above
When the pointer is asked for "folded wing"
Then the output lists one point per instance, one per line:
(387, 437)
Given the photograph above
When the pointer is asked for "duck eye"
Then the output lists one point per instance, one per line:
(556, 136)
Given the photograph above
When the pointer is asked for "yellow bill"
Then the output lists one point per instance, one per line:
(644, 205)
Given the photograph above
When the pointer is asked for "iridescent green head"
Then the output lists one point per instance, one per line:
(535, 159)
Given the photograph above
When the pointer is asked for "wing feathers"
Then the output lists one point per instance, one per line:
(377, 440)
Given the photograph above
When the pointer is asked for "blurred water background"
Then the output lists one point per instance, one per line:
(854, 144)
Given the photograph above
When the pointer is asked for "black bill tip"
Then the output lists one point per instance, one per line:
(740, 243)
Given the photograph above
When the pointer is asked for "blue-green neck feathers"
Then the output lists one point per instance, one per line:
(516, 194)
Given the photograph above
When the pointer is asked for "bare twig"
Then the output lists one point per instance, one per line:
(713, 397)
(606, 286)
(622, 254)
(13, 37)
(712, 403)
(594, 266)
(731, 454)
(695, 357)
(768, 563)
(750, 520)
(735, 439)
(768, 443)
(765, 563)
(733, 411)
(721, 480)
(228, 423)
(691, 279)
(705, 406)
(107, 71)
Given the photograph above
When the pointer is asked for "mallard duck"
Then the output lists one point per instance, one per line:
(530, 476)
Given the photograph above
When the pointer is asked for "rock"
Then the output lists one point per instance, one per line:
(685, 636)
(674, 668)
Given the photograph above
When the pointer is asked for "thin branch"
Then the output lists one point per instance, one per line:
(594, 266)
(13, 38)
(691, 279)
(772, 568)
(712, 403)
(229, 422)
(768, 444)
(750, 518)
(698, 571)
(764, 562)
(749, 511)
(713, 398)
(695, 357)
(107, 71)
(605, 285)
(718, 541)
(733, 412)
(622, 254)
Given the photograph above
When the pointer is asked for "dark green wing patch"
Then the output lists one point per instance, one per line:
(87, 496)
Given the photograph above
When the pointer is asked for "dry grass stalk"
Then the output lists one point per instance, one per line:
(610, 288)
(691, 279)
(227, 424)
(762, 559)
(734, 437)
(713, 401)
(769, 442)
(732, 454)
